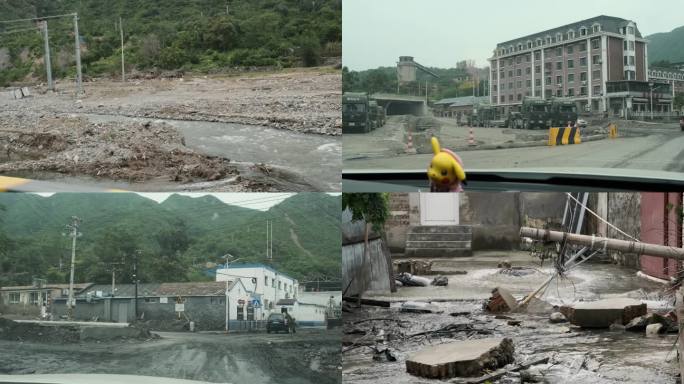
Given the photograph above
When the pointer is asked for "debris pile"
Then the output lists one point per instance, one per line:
(500, 301)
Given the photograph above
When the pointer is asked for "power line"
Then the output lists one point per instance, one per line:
(36, 18)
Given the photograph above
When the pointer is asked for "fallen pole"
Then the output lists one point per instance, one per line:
(377, 303)
(595, 242)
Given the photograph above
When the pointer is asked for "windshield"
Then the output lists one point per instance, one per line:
(630, 120)
(353, 107)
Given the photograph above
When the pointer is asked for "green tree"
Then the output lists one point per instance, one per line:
(373, 208)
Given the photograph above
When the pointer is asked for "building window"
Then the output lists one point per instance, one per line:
(528, 83)
(527, 58)
(548, 66)
(217, 300)
(537, 55)
(583, 31)
(502, 74)
(631, 60)
(520, 46)
(571, 92)
(583, 61)
(537, 69)
(547, 93)
(151, 299)
(570, 49)
(571, 63)
(595, 75)
(559, 37)
(595, 43)
(510, 85)
(630, 30)
(548, 80)
(510, 73)
(548, 39)
(571, 77)
(279, 286)
(510, 98)
(624, 45)
(519, 84)
(583, 76)
(510, 62)
(559, 65)
(529, 44)
(559, 93)
(583, 47)
(518, 59)
(34, 297)
(537, 82)
(559, 79)
(273, 283)
(502, 99)
(494, 87)
(519, 96)
(571, 34)
(596, 28)
(559, 51)
(265, 281)
(583, 91)
(596, 59)
(539, 42)
(631, 45)
(518, 72)
(597, 89)
(14, 298)
(241, 312)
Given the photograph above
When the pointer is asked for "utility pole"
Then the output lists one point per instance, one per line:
(48, 64)
(135, 280)
(79, 89)
(73, 228)
(123, 71)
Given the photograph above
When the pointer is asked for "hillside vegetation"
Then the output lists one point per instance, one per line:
(666, 46)
(176, 239)
(197, 35)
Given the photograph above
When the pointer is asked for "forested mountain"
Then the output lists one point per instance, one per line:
(176, 239)
(199, 35)
(666, 46)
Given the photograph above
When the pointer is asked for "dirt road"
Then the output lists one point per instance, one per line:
(309, 356)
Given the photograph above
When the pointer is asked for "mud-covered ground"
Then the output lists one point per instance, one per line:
(575, 355)
(57, 135)
(307, 357)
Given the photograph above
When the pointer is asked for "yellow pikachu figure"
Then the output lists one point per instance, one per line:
(446, 170)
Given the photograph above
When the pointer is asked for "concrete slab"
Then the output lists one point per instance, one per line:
(603, 313)
(461, 358)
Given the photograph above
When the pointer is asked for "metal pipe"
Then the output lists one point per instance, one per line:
(595, 242)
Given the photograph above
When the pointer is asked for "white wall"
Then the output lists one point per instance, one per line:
(306, 312)
(320, 298)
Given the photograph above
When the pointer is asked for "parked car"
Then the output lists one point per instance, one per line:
(276, 322)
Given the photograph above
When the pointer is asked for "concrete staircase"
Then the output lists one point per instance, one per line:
(439, 241)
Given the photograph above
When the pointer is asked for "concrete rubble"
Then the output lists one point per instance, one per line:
(461, 358)
(501, 301)
(603, 313)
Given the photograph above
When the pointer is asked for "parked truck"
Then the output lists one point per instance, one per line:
(373, 114)
(355, 113)
(562, 113)
(534, 113)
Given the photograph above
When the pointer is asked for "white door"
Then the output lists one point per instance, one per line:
(439, 208)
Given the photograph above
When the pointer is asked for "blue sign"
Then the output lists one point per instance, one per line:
(256, 303)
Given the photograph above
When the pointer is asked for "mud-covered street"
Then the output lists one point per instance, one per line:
(309, 356)
(574, 354)
(248, 132)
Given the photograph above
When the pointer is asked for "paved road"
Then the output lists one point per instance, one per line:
(663, 151)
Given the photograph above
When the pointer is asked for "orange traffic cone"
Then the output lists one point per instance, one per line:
(471, 138)
(409, 143)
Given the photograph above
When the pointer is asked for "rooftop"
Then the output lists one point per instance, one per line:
(211, 288)
(254, 265)
(608, 24)
(46, 286)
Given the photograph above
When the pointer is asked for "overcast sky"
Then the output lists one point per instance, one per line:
(438, 33)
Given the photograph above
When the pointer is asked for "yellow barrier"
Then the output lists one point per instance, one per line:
(612, 130)
(16, 184)
(564, 136)
(11, 183)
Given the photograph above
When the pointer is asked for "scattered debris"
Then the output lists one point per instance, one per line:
(461, 358)
(501, 301)
(440, 281)
(557, 317)
(514, 323)
(414, 267)
(654, 329)
(640, 323)
(419, 307)
(383, 355)
(377, 303)
(410, 280)
(495, 375)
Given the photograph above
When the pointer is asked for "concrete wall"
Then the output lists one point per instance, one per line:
(624, 212)
(496, 218)
(363, 274)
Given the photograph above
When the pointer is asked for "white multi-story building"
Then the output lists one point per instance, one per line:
(266, 284)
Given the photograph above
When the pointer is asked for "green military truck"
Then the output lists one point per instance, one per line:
(355, 113)
(373, 114)
(534, 113)
(562, 111)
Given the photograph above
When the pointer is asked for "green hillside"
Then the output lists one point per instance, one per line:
(197, 35)
(175, 239)
(666, 46)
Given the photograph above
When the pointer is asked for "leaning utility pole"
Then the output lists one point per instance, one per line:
(596, 242)
(78, 56)
(48, 65)
(123, 71)
(73, 228)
